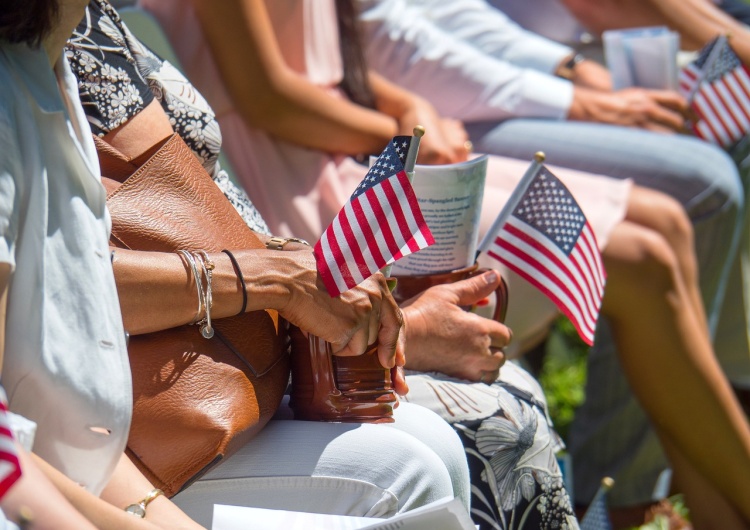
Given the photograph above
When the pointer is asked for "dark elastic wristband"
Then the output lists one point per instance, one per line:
(241, 278)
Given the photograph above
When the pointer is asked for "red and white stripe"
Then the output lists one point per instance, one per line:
(375, 229)
(574, 282)
(722, 106)
(10, 467)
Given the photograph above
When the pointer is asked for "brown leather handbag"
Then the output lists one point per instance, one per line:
(195, 400)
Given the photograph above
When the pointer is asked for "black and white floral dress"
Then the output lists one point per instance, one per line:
(118, 77)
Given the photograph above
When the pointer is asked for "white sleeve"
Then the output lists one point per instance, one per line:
(461, 81)
(490, 30)
(9, 169)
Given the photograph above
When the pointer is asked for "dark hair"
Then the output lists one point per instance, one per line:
(355, 83)
(28, 21)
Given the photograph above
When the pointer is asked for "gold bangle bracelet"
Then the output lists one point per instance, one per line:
(139, 509)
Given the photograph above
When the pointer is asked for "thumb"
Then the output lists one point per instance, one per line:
(472, 290)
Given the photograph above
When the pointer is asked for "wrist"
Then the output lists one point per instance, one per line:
(568, 66)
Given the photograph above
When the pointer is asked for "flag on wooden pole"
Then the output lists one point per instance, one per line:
(717, 86)
(543, 236)
(381, 223)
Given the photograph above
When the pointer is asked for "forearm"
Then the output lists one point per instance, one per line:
(35, 496)
(271, 96)
(157, 290)
(105, 515)
(699, 21)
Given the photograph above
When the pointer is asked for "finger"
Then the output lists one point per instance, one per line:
(490, 376)
(474, 289)
(398, 378)
(374, 324)
(666, 117)
(500, 334)
(671, 100)
(357, 345)
(498, 356)
(391, 322)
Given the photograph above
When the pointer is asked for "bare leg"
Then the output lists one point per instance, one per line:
(709, 510)
(673, 224)
(668, 360)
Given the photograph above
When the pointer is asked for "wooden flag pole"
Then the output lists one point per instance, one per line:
(411, 155)
(518, 192)
(409, 162)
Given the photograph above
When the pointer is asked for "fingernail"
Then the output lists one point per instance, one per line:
(490, 277)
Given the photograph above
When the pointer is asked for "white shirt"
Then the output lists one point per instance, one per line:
(66, 365)
(468, 59)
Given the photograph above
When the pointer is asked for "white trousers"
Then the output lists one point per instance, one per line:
(338, 468)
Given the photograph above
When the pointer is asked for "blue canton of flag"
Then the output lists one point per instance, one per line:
(717, 86)
(547, 241)
(597, 514)
(381, 223)
(390, 162)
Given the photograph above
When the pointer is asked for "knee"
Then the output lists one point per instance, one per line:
(717, 171)
(648, 268)
(674, 223)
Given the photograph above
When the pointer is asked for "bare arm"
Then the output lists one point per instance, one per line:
(271, 96)
(699, 21)
(157, 291)
(445, 139)
(127, 486)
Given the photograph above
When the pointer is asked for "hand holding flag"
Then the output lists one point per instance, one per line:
(542, 235)
(717, 86)
(381, 223)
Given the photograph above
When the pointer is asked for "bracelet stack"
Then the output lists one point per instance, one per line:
(196, 260)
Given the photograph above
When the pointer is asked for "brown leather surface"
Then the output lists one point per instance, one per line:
(195, 400)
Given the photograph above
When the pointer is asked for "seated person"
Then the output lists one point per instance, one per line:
(518, 403)
(638, 246)
(507, 83)
(66, 365)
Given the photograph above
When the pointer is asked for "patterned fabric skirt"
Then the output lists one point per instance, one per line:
(516, 482)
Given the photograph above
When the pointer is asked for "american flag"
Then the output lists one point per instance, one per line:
(597, 514)
(547, 241)
(717, 86)
(381, 223)
(10, 467)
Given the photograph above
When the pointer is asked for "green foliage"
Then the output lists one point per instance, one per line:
(563, 378)
(563, 374)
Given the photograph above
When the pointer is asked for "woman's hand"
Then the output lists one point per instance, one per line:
(445, 139)
(655, 110)
(351, 321)
(442, 337)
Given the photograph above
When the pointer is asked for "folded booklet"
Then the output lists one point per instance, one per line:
(643, 57)
(450, 197)
(445, 514)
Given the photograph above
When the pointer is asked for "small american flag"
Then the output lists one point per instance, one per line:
(717, 86)
(381, 223)
(597, 515)
(547, 241)
(10, 467)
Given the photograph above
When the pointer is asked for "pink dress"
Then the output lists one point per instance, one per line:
(299, 190)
